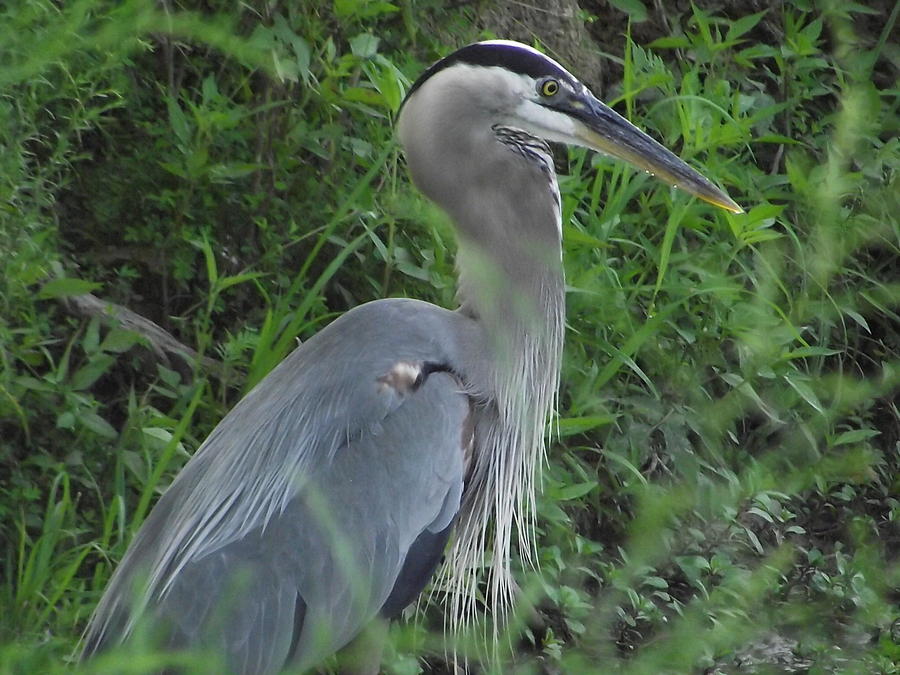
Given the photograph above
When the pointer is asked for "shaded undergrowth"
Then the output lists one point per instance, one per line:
(725, 475)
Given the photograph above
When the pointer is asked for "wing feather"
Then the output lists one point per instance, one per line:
(312, 490)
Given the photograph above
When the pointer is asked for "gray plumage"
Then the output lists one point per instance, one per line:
(321, 524)
(326, 496)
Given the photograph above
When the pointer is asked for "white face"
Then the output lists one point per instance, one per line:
(530, 115)
(522, 104)
(541, 121)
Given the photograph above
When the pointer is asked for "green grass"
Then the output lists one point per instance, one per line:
(726, 469)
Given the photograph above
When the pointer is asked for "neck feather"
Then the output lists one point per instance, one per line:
(516, 292)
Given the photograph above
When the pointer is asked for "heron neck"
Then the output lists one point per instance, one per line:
(516, 293)
(519, 302)
(513, 287)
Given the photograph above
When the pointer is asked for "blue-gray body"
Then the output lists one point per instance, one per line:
(325, 547)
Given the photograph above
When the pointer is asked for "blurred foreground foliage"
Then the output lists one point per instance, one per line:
(723, 492)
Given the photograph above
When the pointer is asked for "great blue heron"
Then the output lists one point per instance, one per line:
(327, 496)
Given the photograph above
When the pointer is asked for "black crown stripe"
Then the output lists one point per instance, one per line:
(510, 56)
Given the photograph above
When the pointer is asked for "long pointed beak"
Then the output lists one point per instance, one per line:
(599, 127)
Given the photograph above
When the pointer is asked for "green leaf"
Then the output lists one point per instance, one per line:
(754, 541)
(91, 340)
(85, 376)
(679, 42)
(764, 212)
(364, 45)
(813, 30)
(66, 287)
(619, 459)
(635, 9)
(692, 565)
(854, 436)
(210, 89)
(806, 393)
(158, 438)
(656, 582)
(174, 169)
(762, 514)
(365, 95)
(757, 236)
(65, 420)
(178, 121)
(804, 352)
(135, 463)
(776, 138)
(212, 269)
(569, 426)
(858, 318)
(119, 340)
(97, 424)
(363, 9)
(742, 25)
(387, 79)
(299, 46)
(170, 377)
(227, 172)
(575, 491)
(228, 282)
(755, 52)
(33, 384)
(575, 236)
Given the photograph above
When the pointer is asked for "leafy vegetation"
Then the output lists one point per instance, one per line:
(722, 495)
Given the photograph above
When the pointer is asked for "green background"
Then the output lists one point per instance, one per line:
(722, 488)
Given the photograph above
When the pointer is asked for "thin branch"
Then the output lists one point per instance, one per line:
(161, 341)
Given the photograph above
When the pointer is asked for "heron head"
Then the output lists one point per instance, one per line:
(516, 86)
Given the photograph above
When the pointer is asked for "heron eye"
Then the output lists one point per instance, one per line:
(549, 88)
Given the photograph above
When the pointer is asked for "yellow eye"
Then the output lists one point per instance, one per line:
(549, 88)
